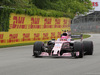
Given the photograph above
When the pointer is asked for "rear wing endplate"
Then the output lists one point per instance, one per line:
(77, 36)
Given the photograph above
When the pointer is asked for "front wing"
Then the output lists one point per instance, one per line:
(68, 54)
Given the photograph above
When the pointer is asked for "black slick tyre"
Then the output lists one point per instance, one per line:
(78, 47)
(88, 47)
(37, 48)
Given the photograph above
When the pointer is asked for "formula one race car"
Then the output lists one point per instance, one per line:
(63, 47)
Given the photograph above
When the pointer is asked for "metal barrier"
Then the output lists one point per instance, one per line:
(86, 24)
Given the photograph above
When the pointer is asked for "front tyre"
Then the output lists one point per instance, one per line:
(37, 48)
(78, 47)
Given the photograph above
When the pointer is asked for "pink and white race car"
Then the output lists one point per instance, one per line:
(63, 47)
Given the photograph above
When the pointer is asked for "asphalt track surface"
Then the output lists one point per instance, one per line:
(19, 61)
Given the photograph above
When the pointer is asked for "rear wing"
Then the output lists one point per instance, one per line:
(77, 36)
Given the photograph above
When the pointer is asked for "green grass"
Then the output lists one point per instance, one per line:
(24, 44)
(86, 36)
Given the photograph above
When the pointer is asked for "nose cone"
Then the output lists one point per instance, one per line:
(55, 52)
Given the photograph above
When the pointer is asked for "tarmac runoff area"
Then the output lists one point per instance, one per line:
(19, 61)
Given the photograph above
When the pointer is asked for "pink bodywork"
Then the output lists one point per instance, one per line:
(58, 45)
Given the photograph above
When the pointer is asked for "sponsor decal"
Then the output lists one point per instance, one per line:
(24, 29)
(47, 23)
(57, 23)
(18, 23)
(35, 20)
(58, 34)
(36, 36)
(53, 35)
(95, 4)
(1, 38)
(13, 38)
(45, 36)
(26, 37)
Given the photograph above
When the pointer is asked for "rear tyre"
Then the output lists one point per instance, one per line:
(88, 47)
(37, 48)
(78, 47)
